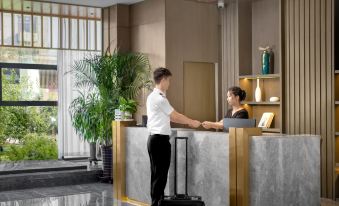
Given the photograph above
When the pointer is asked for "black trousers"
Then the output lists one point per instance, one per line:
(159, 150)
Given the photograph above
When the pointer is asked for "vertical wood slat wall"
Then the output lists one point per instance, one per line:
(230, 50)
(309, 77)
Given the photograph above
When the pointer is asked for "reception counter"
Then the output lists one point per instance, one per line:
(242, 167)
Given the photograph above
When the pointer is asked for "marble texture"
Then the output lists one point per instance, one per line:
(208, 170)
(39, 166)
(207, 165)
(285, 170)
(138, 169)
(95, 194)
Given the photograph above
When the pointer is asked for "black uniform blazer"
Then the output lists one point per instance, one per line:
(241, 114)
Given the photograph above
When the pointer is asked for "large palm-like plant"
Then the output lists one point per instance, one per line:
(101, 80)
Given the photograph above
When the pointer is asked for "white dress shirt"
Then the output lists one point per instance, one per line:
(158, 113)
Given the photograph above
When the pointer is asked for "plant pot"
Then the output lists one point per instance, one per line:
(107, 162)
(92, 152)
(118, 114)
(127, 115)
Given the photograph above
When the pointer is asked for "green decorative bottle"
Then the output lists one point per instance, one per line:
(266, 60)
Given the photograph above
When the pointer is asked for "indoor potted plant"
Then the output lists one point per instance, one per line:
(84, 111)
(128, 107)
(111, 76)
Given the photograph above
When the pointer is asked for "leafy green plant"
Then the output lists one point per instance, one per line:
(110, 77)
(33, 147)
(127, 105)
(16, 122)
(85, 114)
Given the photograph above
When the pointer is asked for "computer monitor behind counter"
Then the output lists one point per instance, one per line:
(238, 123)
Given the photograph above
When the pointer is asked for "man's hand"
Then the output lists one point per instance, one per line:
(194, 124)
(207, 125)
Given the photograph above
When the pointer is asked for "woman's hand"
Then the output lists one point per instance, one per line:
(207, 125)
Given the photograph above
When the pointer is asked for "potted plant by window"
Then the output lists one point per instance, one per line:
(84, 111)
(110, 76)
(128, 107)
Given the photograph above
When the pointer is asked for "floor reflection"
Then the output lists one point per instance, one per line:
(76, 195)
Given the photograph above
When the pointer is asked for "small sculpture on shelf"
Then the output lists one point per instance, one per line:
(267, 60)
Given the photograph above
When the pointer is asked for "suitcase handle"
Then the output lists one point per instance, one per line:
(175, 165)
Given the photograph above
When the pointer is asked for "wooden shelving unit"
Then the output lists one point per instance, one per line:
(261, 103)
(271, 130)
(336, 109)
(260, 76)
(253, 15)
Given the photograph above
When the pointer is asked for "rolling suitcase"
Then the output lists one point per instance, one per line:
(180, 199)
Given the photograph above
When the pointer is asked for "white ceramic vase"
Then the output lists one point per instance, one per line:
(258, 92)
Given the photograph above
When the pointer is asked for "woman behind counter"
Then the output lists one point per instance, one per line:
(234, 96)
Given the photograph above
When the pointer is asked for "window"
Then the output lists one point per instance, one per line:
(28, 85)
(50, 25)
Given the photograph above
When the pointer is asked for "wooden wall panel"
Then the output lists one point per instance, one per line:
(309, 77)
(230, 49)
(199, 77)
(147, 26)
(189, 38)
(116, 31)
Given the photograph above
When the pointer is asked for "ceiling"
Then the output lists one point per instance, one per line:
(95, 3)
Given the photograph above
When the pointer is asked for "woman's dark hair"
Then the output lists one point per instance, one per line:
(161, 73)
(237, 91)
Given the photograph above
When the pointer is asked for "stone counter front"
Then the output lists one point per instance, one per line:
(282, 169)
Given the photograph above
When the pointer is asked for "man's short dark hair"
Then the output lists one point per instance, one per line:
(161, 73)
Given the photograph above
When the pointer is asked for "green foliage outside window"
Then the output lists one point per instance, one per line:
(29, 127)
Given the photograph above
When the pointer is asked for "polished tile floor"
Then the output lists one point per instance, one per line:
(96, 194)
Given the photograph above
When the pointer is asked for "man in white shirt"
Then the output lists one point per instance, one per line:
(159, 115)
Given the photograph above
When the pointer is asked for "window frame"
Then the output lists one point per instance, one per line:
(25, 66)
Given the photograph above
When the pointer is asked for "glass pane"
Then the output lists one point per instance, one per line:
(7, 5)
(17, 5)
(65, 33)
(98, 13)
(55, 9)
(37, 31)
(46, 31)
(55, 32)
(99, 36)
(36, 7)
(28, 55)
(17, 29)
(28, 6)
(37, 125)
(29, 85)
(74, 34)
(0, 28)
(74, 11)
(82, 11)
(91, 35)
(27, 30)
(7, 32)
(82, 34)
(46, 8)
(65, 9)
(91, 12)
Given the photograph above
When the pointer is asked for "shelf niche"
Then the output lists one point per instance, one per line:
(259, 26)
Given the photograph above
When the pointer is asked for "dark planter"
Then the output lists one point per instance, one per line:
(92, 153)
(107, 163)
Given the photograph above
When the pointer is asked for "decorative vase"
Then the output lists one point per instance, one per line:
(258, 92)
(267, 60)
